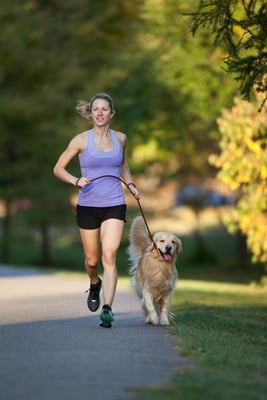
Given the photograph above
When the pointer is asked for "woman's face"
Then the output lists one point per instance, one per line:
(101, 113)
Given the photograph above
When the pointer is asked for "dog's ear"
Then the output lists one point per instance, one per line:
(179, 246)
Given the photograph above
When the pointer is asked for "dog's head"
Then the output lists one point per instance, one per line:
(167, 244)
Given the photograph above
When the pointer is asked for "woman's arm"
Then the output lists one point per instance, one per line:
(75, 146)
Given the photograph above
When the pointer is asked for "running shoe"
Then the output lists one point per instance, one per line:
(93, 300)
(106, 316)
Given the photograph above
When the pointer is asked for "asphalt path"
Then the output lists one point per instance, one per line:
(52, 347)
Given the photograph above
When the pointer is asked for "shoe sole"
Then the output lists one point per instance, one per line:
(93, 309)
(105, 326)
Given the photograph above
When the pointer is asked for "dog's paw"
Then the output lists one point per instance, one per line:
(152, 319)
(164, 320)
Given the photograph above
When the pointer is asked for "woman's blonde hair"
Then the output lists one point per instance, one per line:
(84, 108)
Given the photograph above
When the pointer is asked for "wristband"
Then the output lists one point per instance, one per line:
(76, 183)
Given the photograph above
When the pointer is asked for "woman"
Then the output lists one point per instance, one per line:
(101, 208)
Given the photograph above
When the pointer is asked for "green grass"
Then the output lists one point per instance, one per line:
(222, 329)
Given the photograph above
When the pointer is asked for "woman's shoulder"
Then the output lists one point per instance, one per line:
(80, 140)
(121, 137)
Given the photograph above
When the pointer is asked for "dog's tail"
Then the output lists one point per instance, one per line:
(139, 242)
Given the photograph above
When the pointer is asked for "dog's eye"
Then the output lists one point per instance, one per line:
(173, 242)
(162, 241)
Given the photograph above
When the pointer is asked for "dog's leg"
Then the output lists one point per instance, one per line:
(164, 311)
(150, 311)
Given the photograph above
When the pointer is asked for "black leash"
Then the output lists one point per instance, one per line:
(138, 202)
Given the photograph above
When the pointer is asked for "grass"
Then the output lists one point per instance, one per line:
(222, 329)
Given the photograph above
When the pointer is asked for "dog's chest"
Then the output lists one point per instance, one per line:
(158, 276)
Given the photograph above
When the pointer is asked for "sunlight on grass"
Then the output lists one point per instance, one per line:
(206, 286)
(193, 292)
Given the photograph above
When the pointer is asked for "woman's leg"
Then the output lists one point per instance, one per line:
(111, 234)
(90, 242)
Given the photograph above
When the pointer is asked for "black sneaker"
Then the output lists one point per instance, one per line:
(93, 300)
(106, 316)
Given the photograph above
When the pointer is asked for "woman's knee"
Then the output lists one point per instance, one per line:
(91, 262)
(109, 257)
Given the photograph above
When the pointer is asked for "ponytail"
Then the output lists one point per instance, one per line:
(84, 108)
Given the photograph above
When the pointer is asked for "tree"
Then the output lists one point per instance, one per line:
(170, 90)
(50, 54)
(240, 26)
(243, 166)
(54, 52)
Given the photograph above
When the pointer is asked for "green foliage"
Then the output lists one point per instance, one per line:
(239, 25)
(243, 166)
(48, 51)
(168, 90)
(221, 332)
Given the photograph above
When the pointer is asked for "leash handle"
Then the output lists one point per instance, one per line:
(138, 202)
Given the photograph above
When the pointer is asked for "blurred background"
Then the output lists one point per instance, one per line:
(196, 150)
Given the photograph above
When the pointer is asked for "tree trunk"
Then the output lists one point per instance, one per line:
(6, 234)
(45, 245)
(243, 254)
(200, 253)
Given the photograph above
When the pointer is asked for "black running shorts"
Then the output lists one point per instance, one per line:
(92, 217)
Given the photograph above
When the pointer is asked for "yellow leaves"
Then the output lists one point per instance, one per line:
(253, 146)
(263, 171)
(254, 225)
(243, 166)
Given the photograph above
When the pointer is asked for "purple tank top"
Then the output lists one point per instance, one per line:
(104, 192)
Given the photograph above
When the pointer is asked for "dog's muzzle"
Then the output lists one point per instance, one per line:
(167, 256)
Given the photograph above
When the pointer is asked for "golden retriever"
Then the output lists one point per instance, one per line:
(153, 271)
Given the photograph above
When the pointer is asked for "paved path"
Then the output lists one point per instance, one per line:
(52, 348)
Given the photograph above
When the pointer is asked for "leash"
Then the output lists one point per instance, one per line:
(138, 202)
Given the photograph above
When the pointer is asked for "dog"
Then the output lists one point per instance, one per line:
(153, 270)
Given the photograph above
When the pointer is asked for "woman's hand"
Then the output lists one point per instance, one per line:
(133, 189)
(81, 182)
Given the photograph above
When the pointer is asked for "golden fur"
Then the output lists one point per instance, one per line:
(153, 272)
